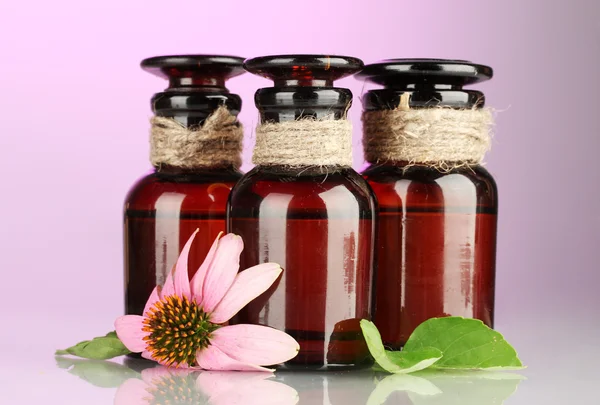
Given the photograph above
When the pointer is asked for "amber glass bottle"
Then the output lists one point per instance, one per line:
(164, 207)
(317, 222)
(437, 229)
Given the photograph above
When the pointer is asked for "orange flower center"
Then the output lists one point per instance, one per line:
(177, 329)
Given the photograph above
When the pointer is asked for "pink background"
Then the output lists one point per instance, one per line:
(74, 109)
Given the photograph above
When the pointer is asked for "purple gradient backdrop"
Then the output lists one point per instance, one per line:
(74, 137)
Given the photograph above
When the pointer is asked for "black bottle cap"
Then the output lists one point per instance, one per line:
(303, 70)
(194, 70)
(431, 82)
(196, 85)
(303, 84)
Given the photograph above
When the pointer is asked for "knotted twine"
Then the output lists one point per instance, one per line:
(440, 137)
(218, 142)
(304, 142)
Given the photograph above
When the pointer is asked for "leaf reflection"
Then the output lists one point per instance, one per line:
(446, 388)
(100, 373)
(161, 385)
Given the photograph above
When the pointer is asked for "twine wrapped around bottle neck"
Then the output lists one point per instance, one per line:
(304, 142)
(218, 142)
(440, 137)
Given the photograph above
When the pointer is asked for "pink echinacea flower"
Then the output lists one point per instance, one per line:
(183, 322)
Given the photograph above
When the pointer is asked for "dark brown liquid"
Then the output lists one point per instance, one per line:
(320, 229)
(436, 247)
(161, 212)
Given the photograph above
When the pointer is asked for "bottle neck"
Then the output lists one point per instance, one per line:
(191, 108)
(294, 103)
(412, 129)
(193, 142)
(427, 97)
(200, 170)
(303, 127)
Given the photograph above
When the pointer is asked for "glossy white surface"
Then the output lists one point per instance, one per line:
(562, 359)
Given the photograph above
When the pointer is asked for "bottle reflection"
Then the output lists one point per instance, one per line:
(330, 388)
(138, 382)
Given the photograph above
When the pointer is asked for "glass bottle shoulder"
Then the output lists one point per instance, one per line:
(302, 191)
(193, 189)
(396, 185)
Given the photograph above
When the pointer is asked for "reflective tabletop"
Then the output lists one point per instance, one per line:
(31, 374)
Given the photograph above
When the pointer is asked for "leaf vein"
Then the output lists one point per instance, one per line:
(488, 359)
(459, 338)
(467, 351)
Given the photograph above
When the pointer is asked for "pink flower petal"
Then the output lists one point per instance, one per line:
(222, 271)
(133, 392)
(168, 288)
(246, 286)
(212, 358)
(147, 355)
(198, 279)
(255, 344)
(178, 281)
(181, 280)
(129, 330)
(151, 300)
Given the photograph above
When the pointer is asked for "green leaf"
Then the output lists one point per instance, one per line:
(465, 343)
(397, 362)
(100, 348)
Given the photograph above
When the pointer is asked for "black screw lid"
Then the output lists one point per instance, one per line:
(303, 85)
(430, 81)
(194, 70)
(196, 85)
(303, 70)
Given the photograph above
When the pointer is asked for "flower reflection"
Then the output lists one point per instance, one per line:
(161, 385)
(243, 388)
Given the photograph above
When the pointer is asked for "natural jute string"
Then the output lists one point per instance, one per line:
(218, 142)
(304, 142)
(440, 137)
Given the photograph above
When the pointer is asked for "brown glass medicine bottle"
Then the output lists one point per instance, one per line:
(186, 190)
(313, 217)
(437, 226)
